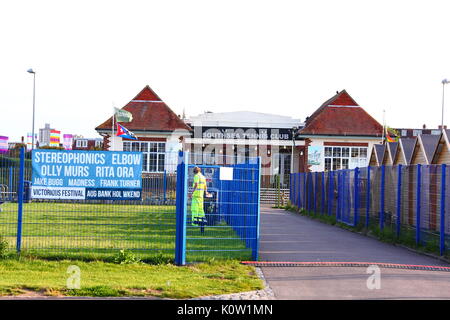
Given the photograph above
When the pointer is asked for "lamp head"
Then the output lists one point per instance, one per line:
(30, 71)
(445, 81)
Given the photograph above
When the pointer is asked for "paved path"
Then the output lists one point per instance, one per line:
(286, 236)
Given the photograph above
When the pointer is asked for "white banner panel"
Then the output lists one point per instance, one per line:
(61, 193)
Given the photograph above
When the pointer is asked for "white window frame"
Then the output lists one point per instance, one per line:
(337, 155)
(81, 143)
(147, 148)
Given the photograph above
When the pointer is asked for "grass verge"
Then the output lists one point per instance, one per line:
(28, 276)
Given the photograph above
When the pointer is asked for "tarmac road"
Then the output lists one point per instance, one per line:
(287, 236)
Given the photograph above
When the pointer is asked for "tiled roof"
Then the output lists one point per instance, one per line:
(341, 115)
(393, 148)
(408, 145)
(430, 143)
(150, 113)
(379, 152)
(447, 133)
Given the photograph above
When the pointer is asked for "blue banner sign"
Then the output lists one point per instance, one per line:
(86, 175)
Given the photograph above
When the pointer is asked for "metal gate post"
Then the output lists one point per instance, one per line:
(256, 245)
(418, 193)
(368, 197)
(399, 198)
(165, 186)
(181, 209)
(381, 216)
(305, 191)
(315, 191)
(442, 222)
(356, 197)
(340, 196)
(323, 194)
(330, 192)
(20, 199)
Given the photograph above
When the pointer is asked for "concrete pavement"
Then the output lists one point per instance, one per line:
(287, 236)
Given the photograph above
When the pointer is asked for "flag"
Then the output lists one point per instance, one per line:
(123, 115)
(125, 133)
(390, 138)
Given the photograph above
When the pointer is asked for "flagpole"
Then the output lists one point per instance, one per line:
(384, 126)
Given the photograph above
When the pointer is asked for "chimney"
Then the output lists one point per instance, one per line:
(424, 126)
(439, 127)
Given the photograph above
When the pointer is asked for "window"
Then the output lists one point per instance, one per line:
(154, 154)
(81, 144)
(98, 143)
(337, 158)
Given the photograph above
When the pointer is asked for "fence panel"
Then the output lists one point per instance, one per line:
(395, 199)
(430, 205)
(390, 196)
(363, 192)
(231, 225)
(94, 228)
(9, 194)
(446, 215)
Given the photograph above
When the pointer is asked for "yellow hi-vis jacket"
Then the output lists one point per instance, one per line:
(199, 191)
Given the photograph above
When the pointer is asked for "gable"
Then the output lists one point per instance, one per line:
(373, 159)
(407, 148)
(392, 151)
(429, 144)
(341, 116)
(386, 158)
(418, 156)
(442, 154)
(150, 113)
(399, 158)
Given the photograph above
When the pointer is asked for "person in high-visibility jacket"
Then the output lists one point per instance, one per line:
(200, 188)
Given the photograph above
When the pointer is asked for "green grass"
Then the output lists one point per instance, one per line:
(101, 279)
(406, 237)
(97, 231)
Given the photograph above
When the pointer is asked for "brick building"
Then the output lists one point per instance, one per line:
(338, 135)
(159, 131)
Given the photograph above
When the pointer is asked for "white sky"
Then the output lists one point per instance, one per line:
(283, 57)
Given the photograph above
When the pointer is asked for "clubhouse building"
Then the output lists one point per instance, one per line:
(340, 134)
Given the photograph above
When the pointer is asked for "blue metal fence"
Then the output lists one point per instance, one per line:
(411, 201)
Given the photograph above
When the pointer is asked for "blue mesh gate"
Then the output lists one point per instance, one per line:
(231, 225)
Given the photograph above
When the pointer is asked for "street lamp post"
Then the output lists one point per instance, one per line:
(444, 82)
(34, 95)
